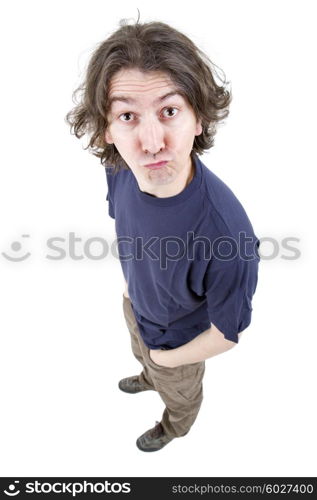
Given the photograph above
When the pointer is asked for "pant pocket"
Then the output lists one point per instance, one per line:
(164, 373)
(151, 362)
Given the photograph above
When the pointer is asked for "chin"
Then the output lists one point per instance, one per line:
(160, 177)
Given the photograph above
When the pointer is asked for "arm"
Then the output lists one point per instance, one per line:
(209, 343)
(126, 293)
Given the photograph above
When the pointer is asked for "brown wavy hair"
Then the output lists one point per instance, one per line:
(151, 46)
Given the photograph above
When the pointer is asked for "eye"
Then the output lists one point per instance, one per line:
(125, 115)
(169, 110)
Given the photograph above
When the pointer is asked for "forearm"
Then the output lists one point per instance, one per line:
(209, 343)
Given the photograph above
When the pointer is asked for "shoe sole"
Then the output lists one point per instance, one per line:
(149, 449)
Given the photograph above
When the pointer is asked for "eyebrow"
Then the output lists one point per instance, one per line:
(129, 100)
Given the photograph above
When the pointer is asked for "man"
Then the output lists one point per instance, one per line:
(187, 248)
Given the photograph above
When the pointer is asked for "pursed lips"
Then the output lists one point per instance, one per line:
(156, 165)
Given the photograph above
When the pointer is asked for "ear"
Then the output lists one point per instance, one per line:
(199, 127)
(108, 137)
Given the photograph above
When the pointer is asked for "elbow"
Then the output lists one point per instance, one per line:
(218, 340)
(231, 343)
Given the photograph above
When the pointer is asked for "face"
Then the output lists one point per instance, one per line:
(147, 116)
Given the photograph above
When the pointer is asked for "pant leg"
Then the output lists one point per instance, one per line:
(144, 377)
(182, 399)
(180, 388)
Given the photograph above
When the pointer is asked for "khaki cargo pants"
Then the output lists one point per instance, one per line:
(180, 388)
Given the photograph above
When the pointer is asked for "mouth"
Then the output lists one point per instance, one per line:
(154, 166)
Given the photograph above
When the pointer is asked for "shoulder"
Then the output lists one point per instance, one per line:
(115, 176)
(224, 206)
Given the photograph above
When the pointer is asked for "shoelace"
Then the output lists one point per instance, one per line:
(157, 430)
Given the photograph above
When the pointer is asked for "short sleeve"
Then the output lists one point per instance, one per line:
(109, 197)
(229, 288)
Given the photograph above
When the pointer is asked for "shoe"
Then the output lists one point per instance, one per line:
(154, 439)
(132, 385)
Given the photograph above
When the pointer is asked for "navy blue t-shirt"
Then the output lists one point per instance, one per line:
(190, 260)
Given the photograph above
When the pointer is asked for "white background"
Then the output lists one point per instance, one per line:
(64, 342)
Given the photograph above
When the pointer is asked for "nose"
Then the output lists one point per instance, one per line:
(151, 136)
